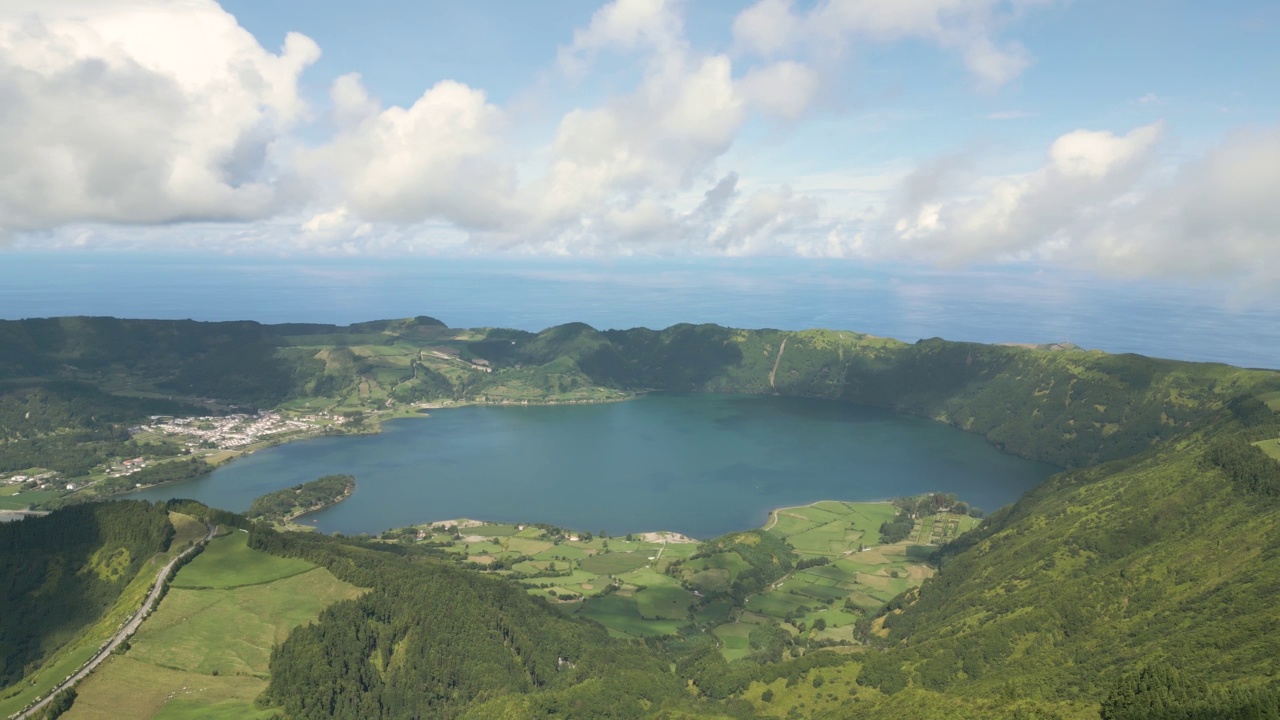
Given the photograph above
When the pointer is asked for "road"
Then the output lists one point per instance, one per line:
(121, 635)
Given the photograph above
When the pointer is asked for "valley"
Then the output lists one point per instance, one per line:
(1155, 546)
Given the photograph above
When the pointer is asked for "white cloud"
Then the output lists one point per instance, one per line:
(118, 119)
(783, 89)
(433, 159)
(969, 27)
(1217, 216)
(1094, 155)
(624, 25)
(1101, 202)
(766, 28)
(140, 112)
(1085, 172)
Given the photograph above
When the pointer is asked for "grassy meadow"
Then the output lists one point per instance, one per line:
(75, 654)
(1270, 447)
(204, 652)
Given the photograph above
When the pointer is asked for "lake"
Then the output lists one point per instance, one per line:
(698, 464)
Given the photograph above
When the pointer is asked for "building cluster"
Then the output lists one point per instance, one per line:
(231, 431)
(41, 480)
(128, 467)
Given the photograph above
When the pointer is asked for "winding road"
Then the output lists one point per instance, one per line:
(124, 633)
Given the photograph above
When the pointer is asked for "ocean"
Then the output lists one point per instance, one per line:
(1206, 322)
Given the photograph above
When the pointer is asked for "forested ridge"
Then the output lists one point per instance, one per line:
(1066, 406)
(430, 640)
(60, 573)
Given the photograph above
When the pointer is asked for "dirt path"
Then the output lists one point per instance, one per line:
(772, 373)
(122, 634)
(773, 514)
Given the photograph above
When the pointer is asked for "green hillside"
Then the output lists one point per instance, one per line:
(1158, 548)
(62, 572)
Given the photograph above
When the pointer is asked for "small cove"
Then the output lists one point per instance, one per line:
(698, 464)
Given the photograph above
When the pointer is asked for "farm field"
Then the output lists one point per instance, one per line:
(632, 587)
(1270, 447)
(228, 562)
(78, 652)
(12, 499)
(204, 652)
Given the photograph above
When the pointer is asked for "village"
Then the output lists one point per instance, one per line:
(230, 432)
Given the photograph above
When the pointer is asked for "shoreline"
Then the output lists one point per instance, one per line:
(773, 514)
(654, 536)
(412, 412)
(288, 523)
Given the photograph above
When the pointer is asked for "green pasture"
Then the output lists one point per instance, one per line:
(128, 688)
(673, 551)
(231, 631)
(186, 530)
(491, 530)
(709, 581)
(834, 617)
(777, 603)
(21, 500)
(621, 614)
(577, 577)
(614, 563)
(714, 613)
(228, 562)
(561, 552)
(664, 602)
(834, 538)
(1270, 447)
(204, 653)
(526, 546)
(835, 572)
(38, 682)
(734, 643)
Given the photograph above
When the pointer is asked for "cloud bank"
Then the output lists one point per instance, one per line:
(133, 116)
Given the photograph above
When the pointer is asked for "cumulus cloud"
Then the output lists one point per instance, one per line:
(624, 25)
(783, 90)
(969, 27)
(119, 119)
(1084, 173)
(1217, 216)
(432, 159)
(1101, 202)
(140, 112)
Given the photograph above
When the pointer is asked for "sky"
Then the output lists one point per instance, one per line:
(1128, 140)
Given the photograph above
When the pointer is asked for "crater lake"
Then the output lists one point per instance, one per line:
(699, 464)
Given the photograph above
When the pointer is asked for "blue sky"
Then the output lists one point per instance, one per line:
(1136, 139)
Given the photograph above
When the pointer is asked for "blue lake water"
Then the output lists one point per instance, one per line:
(702, 465)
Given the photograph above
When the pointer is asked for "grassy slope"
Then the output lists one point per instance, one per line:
(1096, 572)
(66, 660)
(204, 652)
